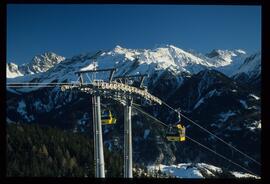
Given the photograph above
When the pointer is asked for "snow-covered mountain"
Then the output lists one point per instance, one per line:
(12, 70)
(133, 61)
(155, 62)
(251, 66)
(249, 72)
(225, 57)
(203, 86)
(227, 61)
(40, 63)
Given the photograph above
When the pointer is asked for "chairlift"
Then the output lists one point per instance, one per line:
(107, 118)
(176, 133)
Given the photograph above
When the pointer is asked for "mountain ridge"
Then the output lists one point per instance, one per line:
(38, 64)
(129, 62)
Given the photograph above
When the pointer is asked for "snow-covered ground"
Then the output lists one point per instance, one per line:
(21, 109)
(189, 170)
(255, 125)
(244, 104)
(244, 175)
(254, 96)
(179, 171)
(225, 115)
(208, 95)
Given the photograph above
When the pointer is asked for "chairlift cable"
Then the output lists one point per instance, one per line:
(206, 147)
(212, 134)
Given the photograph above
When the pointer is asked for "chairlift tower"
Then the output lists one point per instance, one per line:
(98, 140)
(128, 160)
(97, 131)
(128, 139)
(121, 92)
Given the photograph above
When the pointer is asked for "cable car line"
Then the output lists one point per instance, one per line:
(27, 83)
(212, 134)
(38, 85)
(135, 106)
(213, 151)
(150, 115)
(51, 85)
(31, 86)
(143, 112)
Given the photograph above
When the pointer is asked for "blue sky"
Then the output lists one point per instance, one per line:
(73, 29)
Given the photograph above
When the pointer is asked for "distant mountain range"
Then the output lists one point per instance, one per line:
(38, 64)
(230, 62)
